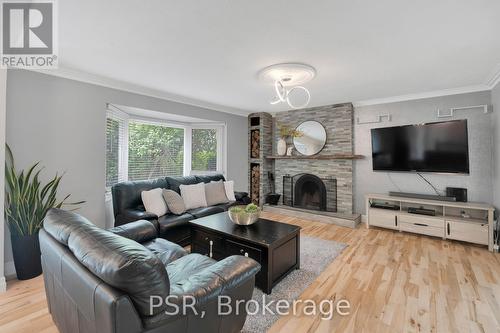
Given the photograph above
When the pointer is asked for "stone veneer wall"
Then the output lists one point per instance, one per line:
(338, 121)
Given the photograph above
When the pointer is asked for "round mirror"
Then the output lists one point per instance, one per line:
(312, 138)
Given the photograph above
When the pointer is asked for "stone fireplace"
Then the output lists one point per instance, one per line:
(336, 174)
(308, 191)
(318, 187)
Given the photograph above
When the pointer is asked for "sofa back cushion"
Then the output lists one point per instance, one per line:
(127, 195)
(210, 178)
(60, 223)
(123, 264)
(174, 183)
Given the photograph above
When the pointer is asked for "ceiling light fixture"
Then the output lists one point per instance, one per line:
(286, 79)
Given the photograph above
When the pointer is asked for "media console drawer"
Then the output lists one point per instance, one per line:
(420, 228)
(421, 220)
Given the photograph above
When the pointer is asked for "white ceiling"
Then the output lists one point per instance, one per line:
(209, 52)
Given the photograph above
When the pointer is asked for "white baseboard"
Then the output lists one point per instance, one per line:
(9, 269)
(3, 284)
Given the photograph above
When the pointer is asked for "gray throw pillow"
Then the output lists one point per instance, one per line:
(174, 202)
(215, 193)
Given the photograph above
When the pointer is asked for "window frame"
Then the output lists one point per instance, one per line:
(221, 165)
(220, 127)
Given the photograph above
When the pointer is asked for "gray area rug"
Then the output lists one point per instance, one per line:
(315, 255)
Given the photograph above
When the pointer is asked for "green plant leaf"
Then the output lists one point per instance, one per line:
(26, 200)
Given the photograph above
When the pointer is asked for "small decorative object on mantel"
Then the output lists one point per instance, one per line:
(285, 133)
(244, 215)
(289, 151)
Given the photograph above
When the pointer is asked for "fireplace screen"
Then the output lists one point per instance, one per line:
(308, 191)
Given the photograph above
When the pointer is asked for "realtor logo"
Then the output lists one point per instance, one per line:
(28, 35)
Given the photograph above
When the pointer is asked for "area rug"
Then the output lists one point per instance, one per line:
(315, 255)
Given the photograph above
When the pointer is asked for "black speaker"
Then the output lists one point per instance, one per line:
(459, 193)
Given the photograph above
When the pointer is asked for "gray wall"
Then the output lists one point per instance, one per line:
(61, 123)
(478, 183)
(3, 81)
(495, 97)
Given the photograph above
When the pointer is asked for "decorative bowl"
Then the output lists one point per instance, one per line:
(242, 217)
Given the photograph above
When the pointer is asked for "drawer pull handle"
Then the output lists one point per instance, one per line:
(211, 244)
(448, 228)
(421, 224)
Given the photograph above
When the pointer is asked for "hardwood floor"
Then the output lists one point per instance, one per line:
(395, 282)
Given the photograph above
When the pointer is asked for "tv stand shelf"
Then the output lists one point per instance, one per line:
(464, 221)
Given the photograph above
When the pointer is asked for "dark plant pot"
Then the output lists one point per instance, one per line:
(27, 260)
(273, 198)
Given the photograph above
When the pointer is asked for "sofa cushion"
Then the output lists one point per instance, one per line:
(227, 205)
(165, 250)
(123, 264)
(60, 223)
(210, 178)
(139, 231)
(229, 187)
(174, 202)
(215, 193)
(193, 195)
(181, 269)
(127, 195)
(153, 201)
(175, 182)
(205, 211)
(171, 221)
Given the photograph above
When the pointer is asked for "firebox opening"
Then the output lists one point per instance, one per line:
(310, 193)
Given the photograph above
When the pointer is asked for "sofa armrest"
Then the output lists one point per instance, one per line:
(139, 231)
(242, 197)
(130, 215)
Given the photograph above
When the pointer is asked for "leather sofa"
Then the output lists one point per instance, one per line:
(101, 281)
(128, 207)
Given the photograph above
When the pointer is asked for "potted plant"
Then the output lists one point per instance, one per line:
(285, 133)
(27, 201)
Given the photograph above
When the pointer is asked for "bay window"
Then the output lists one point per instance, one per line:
(139, 149)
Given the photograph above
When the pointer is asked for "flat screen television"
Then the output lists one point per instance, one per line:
(432, 147)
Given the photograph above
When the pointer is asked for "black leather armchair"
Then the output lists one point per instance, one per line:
(102, 280)
(127, 205)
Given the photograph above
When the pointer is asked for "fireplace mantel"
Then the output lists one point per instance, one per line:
(317, 157)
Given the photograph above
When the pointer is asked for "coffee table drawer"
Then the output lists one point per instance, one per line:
(204, 238)
(235, 248)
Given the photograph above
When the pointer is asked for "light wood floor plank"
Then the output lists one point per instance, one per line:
(395, 282)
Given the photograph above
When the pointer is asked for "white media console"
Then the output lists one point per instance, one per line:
(464, 221)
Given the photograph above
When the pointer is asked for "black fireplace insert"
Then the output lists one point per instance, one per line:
(308, 191)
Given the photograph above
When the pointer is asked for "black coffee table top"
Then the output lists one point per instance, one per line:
(263, 232)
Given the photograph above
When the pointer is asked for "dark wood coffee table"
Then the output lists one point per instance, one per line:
(275, 245)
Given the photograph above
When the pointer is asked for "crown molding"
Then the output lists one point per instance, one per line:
(494, 77)
(137, 89)
(429, 94)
